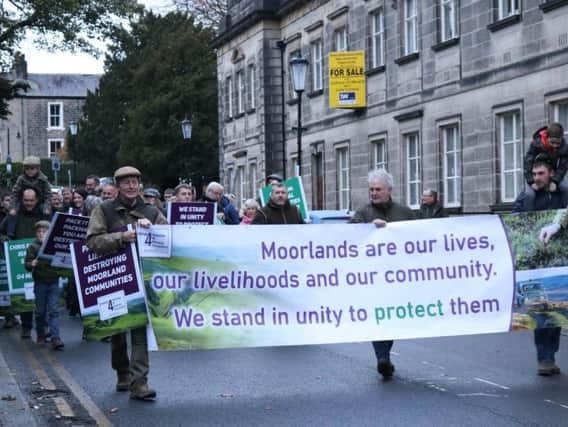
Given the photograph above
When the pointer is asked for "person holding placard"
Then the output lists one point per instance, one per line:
(106, 235)
(381, 210)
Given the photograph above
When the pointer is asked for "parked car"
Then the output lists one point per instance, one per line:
(330, 216)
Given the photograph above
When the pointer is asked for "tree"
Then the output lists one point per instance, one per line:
(208, 12)
(159, 72)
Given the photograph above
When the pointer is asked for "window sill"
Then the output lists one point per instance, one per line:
(504, 23)
(315, 93)
(228, 119)
(376, 70)
(251, 110)
(407, 58)
(239, 115)
(55, 128)
(549, 5)
(445, 44)
(503, 207)
(292, 101)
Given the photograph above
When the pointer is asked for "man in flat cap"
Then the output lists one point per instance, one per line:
(103, 238)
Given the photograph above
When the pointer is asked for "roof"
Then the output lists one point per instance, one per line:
(61, 85)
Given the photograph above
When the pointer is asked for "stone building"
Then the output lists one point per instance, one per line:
(455, 90)
(40, 116)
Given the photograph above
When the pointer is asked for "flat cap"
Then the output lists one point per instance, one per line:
(32, 161)
(125, 171)
(42, 224)
(275, 176)
(151, 192)
(555, 130)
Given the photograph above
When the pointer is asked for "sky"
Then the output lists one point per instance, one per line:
(41, 62)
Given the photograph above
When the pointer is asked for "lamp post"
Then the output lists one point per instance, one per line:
(298, 69)
(186, 128)
(73, 128)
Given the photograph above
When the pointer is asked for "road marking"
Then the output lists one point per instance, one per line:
(63, 407)
(424, 362)
(44, 380)
(81, 395)
(436, 387)
(481, 395)
(556, 403)
(504, 387)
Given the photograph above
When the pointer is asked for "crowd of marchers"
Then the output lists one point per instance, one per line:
(27, 208)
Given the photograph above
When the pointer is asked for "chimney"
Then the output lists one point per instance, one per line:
(20, 67)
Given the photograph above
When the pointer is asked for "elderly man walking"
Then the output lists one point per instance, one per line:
(381, 210)
(104, 236)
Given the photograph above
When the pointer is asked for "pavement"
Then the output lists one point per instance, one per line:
(14, 408)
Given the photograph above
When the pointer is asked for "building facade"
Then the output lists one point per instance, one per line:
(40, 117)
(455, 90)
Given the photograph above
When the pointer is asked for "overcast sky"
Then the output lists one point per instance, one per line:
(49, 62)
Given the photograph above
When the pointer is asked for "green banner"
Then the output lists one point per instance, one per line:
(20, 281)
(295, 195)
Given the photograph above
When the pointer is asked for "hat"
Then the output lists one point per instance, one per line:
(32, 161)
(42, 224)
(125, 171)
(555, 130)
(151, 192)
(274, 176)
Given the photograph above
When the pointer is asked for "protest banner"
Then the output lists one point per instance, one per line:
(20, 281)
(110, 291)
(64, 230)
(347, 80)
(193, 213)
(310, 284)
(5, 300)
(296, 195)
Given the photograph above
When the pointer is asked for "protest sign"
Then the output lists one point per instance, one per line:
(5, 300)
(310, 284)
(20, 281)
(296, 195)
(64, 230)
(111, 296)
(191, 213)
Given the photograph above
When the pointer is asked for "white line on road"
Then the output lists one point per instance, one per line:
(504, 387)
(556, 403)
(425, 362)
(481, 395)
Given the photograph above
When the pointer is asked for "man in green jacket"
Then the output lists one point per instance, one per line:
(381, 210)
(107, 234)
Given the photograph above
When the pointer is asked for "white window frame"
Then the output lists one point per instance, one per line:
(557, 106)
(452, 152)
(378, 38)
(410, 27)
(340, 39)
(252, 82)
(253, 178)
(240, 92)
(516, 143)
(317, 64)
(50, 141)
(379, 153)
(58, 116)
(242, 184)
(413, 168)
(448, 11)
(293, 165)
(229, 84)
(506, 8)
(343, 177)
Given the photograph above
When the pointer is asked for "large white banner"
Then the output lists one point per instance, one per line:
(312, 284)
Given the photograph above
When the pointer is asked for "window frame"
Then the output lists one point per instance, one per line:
(253, 178)
(502, 6)
(316, 50)
(252, 84)
(343, 182)
(410, 17)
(453, 20)
(413, 204)
(240, 82)
(229, 85)
(378, 38)
(379, 145)
(340, 40)
(517, 143)
(556, 114)
(59, 116)
(456, 200)
(51, 153)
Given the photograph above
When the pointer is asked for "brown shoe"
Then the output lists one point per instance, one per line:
(141, 391)
(26, 333)
(546, 368)
(56, 343)
(123, 382)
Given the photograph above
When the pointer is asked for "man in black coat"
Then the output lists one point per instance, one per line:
(279, 210)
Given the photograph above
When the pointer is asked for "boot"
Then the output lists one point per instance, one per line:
(141, 391)
(546, 368)
(385, 368)
(123, 382)
(56, 343)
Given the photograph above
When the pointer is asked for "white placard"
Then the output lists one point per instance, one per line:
(29, 291)
(112, 305)
(155, 242)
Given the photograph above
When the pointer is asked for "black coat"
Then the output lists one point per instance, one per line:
(558, 158)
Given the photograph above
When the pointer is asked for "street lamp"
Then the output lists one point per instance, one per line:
(73, 127)
(298, 69)
(186, 128)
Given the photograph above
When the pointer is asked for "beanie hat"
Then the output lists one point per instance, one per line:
(31, 161)
(555, 130)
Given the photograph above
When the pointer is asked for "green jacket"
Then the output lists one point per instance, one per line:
(40, 183)
(388, 211)
(43, 272)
